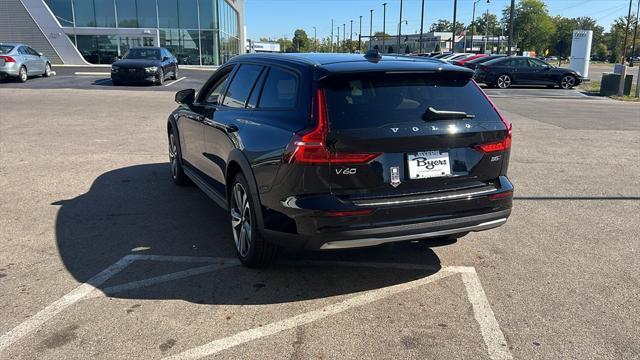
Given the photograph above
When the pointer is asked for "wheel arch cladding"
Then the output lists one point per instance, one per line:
(238, 163)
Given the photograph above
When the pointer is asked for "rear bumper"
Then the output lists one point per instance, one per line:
(410, 219)
(10, 69)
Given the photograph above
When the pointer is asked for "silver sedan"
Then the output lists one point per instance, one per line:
(20, 61)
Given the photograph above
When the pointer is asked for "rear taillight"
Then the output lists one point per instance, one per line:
(309, 147)
(8, 58)
(504, 144)
(502, 195)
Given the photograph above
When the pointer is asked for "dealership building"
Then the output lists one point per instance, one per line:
(82, 32)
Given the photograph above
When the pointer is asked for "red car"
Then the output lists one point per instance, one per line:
(472, 57)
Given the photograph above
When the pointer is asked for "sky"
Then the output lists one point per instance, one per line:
(280, 18)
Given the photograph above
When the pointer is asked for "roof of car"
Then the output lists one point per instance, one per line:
(355, 62)
(13, 44)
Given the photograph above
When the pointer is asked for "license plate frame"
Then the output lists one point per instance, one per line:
(428, 164)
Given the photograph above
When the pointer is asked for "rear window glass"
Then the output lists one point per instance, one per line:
(280, 90)
(375, 101)
(5, 49)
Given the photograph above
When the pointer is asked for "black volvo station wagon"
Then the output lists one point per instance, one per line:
(334, 151)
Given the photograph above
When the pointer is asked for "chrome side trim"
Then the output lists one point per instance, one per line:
(345, 244)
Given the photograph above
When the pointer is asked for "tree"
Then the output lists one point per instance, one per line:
(533, 27)
(615, 38)
(444, 25)
(300, 41)
(481, 25)
(561, 39)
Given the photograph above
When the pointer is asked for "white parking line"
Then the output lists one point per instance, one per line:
(491, 333)
(302, 319)
(91, 73)
(173, 82)
(64, 302)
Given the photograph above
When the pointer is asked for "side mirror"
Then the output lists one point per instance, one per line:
(40, 54)
(186, 96)
(165, 58)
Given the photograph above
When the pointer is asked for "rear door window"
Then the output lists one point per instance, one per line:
(520, 63)
(241, 85)
(280, 90)
(369, 101)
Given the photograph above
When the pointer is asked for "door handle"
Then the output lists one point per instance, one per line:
(224, 127)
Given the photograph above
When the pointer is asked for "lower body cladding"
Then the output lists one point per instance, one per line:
(327, 222)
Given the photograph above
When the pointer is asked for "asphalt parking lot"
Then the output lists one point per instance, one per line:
(103, 257)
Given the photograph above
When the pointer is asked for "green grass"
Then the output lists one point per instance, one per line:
(593, 88)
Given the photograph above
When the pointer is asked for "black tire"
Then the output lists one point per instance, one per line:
(504, 81)
(567, 82)
(175, 74)
(175, 161)
(47, 70)
(22, 74)
(160, 79)
(252, 249)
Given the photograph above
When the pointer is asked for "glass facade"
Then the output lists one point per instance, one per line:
(197, 32)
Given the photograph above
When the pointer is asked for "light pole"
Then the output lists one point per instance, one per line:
(626, 34)
(315, 40)
(331, 39)
(486, 27)
(635, 33)
(421, 27)
(360, 36)
(344, 34)
(351, 36)
(338, 40)
(384, 23)
(473, 22)
(511, 14)
(399, 28)
(370, 27)
(453, 28)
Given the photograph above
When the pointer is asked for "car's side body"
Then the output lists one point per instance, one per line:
(15, 56)
(145, 70)
(317, 207)
(523, 70)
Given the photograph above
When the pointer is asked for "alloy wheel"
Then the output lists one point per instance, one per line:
(567, 82)
(47, 70)
(504, 81)
(241, 219)
(23, 74)
(173, 156)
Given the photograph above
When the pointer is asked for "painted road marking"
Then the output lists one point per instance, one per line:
(91, 73)
(173, 82)
(491, 333)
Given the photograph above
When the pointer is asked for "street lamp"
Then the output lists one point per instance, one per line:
(351, 36)
(399, 34)
(315, 40)
(399, 27)
(486, 27)
(473, 22)
(384, 23)
(360, 36)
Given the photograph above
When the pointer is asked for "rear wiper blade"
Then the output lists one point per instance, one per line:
(433, 114)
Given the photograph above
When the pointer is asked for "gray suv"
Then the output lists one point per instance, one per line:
(20, 61)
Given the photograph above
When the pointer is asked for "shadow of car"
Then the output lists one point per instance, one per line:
(138, 210)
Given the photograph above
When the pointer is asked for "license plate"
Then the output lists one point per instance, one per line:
(428, 164)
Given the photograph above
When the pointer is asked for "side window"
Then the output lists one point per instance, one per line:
(32, 52)
(280, 90)
(537, 63)
(23, 50)
(241, 86)
(215, 95)
(520, 63)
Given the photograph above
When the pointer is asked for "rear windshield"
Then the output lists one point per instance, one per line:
(5, 49)
(367, 101)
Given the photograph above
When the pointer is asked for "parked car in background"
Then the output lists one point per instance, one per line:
(440, 56)
(471, 64)
(521, 70)
(461, 62)
(20, 61)
(455, 56)
(336, 151)
(145, 64)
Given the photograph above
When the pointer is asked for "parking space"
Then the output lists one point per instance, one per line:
(103, 257)
(99, 78)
